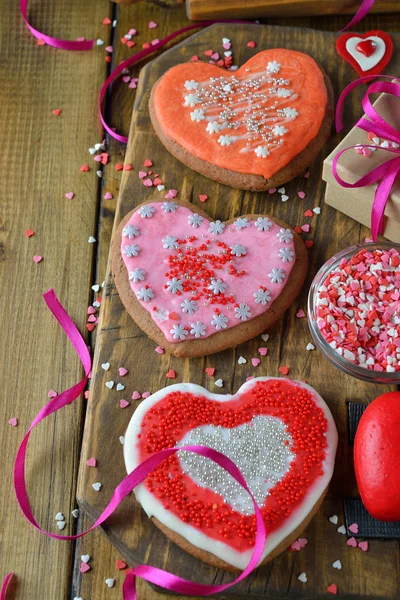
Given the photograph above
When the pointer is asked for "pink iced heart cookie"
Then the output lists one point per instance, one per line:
(197, 286)
(279, 433)
(253, 129)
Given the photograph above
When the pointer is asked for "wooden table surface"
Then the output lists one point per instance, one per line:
(40, 162)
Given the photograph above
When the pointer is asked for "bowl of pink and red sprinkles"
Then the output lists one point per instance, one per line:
(354, 311)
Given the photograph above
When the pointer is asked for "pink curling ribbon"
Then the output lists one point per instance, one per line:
(362, 12)
(385, 173)
(5, 586)
(151, 574)
(50, 41)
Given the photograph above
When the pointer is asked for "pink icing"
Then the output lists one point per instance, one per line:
(263, 253)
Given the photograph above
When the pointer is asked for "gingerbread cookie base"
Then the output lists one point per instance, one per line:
(220, 340)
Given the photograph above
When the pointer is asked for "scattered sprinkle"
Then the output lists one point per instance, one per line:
(120, 387)
(332, 588)
(123, 403)
(105, 366)
(300, 313)
(219, 383)
(56, 112)
(136, 396)
(29, 233)
(203, 197)
(37, 258)
(301, 195)
(120, 564)
(159, 350)
(302, 577)
(84, 568)
(210, 371)
(352, 542)
(342, 530)
(255, 362)
(171, 374)
(96, 486)
(353, 528)
(242, 360)
(363, 546)
(91, 240)
(337, 565)
(334, 519)
(91, 462)
(122, 371)
(70, 195)
(284, 370)
(110, 384)
(13, 422)
(310, 347)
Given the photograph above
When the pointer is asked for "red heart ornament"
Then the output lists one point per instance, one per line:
(252, 122)
(280, 434)
(185, 278)
(377, 457)
(368, 53)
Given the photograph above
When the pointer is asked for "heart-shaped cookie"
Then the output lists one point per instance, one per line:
(253, 129)
(368, 53)
(281, 435)
(197, 286)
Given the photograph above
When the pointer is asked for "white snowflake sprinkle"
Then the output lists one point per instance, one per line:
(175, 285)
(262, 296)
(169, 207)
(284, 93)
(279, 130)
(191, 84)
(131, 250)
(160, 315)
(191, 100)
(217, 286)
(262, 152)
(137, 275)
(170, 242)
(216, 227)
(146, 211)
(290, 113)
(195, 220)
(219, 321)
(285, 235)
(189, 306)
(238, 250)
(130, 231)
(242, 311)
(286, 254)
(178, 332)
(198, 329)
(277, 275)
(213, 127)
(145, 294)
(241, 223)
(273, 67)
(225, 140)
(197, 115)
(263, 224)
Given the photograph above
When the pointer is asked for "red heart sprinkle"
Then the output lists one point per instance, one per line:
(91, 462)
(173, 316)
(130, 43)
(127, 167)
(104, 158)
(208, 53)
(147, 163)
(90, 326)
(297, 229)
(85, 168)
(146, 45)
(309, 213)
(309, 243)
(40, 42)
(194, 58)
(203, 197)
(284, 370)
(29, 233)
(332, 589)
(123, 40)
(171, 374)
(220, 63)
(56, 112)
(106, 21)
(210, 371)
(251, 44)
(120, 564)
(119, 167)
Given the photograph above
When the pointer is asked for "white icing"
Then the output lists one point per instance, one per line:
(153, 507)
(366, 62)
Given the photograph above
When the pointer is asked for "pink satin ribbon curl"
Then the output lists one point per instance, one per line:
(150, 574)
(387, 172)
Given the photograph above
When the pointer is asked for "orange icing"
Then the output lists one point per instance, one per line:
(309, 99)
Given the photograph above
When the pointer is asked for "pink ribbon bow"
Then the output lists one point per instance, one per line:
(385, 173)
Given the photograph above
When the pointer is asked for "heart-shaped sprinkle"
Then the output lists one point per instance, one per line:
(263, 351)
(56, 112)
(309, 213)
(96, 486)
(99, 173)
(108, 196)
(59, 516)
(255, 362)
(91, 462)
(37, 258)
(84, 568)
(284, 198)
(84, 168)
(152, 25)
(136, 396)
(284, 370)
(219, 383)
(110, 582)
(70, 195)
(353, 528)
(123, 403)
(130, 44)
(281, 190)
(95, 287)
(161, 187)
(29, 233)
(251, 44)
(317, 210)
(302, 577)
(85, 558)
(303, 542)
(121, 439)
(309, 243)
(203, 197)
(76, 598)
(271, 190)
(215, 56)
(119, 167)
(120, 387)
(305, 228)
(105, 367)
(75, 513)
(96, 304)
(363, 546)
(332, 588)
(300, 314)
(146, 394)
(210, 371)
(106, 21)
(122, 371)
(334, 519)
(227, 45)
(110, 384)
(265, 337)
(301, 195)
(337, 565)
(51, 393)
(159, 350)
(242, 360)
(295, 546)
(91, 240)
(171, 374)
(310, 347)
(99, 42)
(342, 530)
(120, 564)
(352, 542)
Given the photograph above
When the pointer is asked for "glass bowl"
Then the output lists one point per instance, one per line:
(336, 359)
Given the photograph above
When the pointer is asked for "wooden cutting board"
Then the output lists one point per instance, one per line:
(197, 10)
(371, 575)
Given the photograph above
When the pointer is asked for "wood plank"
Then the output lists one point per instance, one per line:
(122, 343)
(41, 156)
(197, 10)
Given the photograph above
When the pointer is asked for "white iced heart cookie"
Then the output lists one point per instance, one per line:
(279, 432)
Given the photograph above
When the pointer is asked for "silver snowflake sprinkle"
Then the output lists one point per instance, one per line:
(197, 115)
(175, 285)
(195, 220)
(279, 130)
(285, 235)
(238, 250)
(219, 321)
(217, 286)
(242, 311)
(213, 127)
(169, 207)
(131, 250)
(262, 152)
(170, 242)
(198, 329)
(262, 296)
(273, 67)
(130, 231)
(191, 100)
(263, 224)
(286, 254)
(146, 211)
(178, 332)
(189, 306)
(191, 85)
(241, 223)
(225, 140)
(216, 227)
(137, 275)
(277, 275)
(145, 294)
